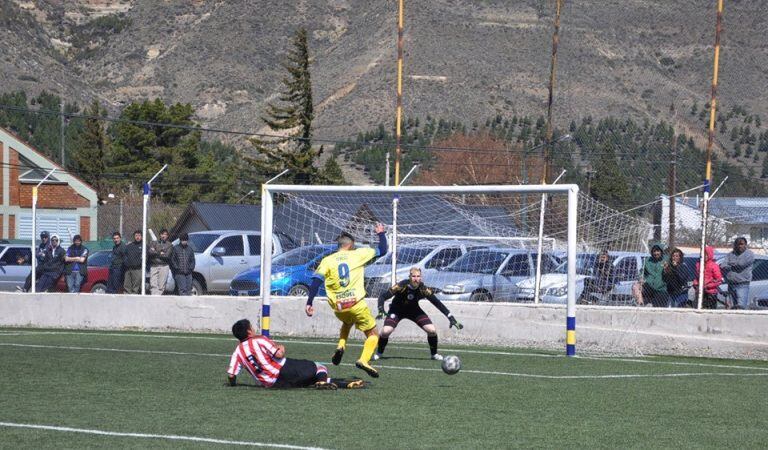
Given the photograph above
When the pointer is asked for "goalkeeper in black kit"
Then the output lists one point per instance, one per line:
(405, 305)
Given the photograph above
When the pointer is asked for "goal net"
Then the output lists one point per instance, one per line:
(473, 243)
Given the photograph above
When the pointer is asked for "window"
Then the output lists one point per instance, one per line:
(443, 258)
(626, 268)
(518, 266)
(760, 270)
(233, 246)
(9, 257)
(254, 242)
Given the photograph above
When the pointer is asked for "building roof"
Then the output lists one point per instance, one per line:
(220, 216)
(740, 210)
(36, 163)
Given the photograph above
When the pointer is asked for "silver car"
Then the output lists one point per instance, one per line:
(424, 255)
(486, 274)
(12, 275)
(220, 255)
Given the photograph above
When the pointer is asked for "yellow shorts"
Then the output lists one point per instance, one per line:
(359, 315)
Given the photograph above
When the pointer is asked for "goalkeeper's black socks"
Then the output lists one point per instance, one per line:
(432, 340)
(382, 344)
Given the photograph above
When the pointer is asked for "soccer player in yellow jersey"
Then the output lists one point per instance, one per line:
(344, 283)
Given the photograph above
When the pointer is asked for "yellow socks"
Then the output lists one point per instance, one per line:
(371, 342)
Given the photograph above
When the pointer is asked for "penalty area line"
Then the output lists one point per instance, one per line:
(420, 369)
(171, 437)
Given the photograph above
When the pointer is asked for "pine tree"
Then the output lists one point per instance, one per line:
(291, 116)
(610, 185)
(88, 157)
(331, 172)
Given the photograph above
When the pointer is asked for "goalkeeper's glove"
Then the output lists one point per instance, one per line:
(454, 323)
(381, 314)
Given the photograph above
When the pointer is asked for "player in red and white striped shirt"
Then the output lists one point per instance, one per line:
(265, 360)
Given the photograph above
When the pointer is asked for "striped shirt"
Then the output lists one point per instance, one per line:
(257, 356)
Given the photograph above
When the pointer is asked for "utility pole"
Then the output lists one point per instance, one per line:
(672, 190)
(61, 130)
(550, 99)
(399, 112)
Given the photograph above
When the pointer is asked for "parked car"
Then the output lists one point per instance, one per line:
(554, 285)
(12, 274)
(222, 254)
(758, 288)
(291, 273)
(424, 255)
(487, 274)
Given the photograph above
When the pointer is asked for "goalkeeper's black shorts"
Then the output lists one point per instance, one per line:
(297, 373)
(416, 315)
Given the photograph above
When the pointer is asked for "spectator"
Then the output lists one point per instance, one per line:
(676, 279)
(76, 269)
(159, 253)
(183, 264)
(41, 248)
(115, 281)
(654, 291)
(737, 266)
(712, 278)
(53, 266)
(602, 280)
(132, 265)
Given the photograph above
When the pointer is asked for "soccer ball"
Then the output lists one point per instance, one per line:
(451, 364)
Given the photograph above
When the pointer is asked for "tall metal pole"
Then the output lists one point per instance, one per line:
(710, 144)
(552, 71)
(399, 112)
(121, 218)
(147, 192)
(34, 228)
(61, 131)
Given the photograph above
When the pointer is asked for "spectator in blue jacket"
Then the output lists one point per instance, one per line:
(76, 269)
(737, 266)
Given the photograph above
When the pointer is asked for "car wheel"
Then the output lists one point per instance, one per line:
(197, 288)
(99, 288)
(299, 291)
(480, 296)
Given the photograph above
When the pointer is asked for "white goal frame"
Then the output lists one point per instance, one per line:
(571, 190)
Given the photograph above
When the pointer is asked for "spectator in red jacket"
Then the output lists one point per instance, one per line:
(712, 278)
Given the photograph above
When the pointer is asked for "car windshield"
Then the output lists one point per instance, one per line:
(199, 242)
(299, 256)
(585, 264)
(478, 261)
(406, 255)
(100, 259)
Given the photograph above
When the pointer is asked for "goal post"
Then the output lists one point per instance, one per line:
(475, 228)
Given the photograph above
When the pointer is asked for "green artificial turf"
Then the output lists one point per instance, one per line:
(175, 385)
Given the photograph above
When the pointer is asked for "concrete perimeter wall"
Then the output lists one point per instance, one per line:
(730, 334)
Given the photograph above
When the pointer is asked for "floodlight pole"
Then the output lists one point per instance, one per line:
(34, 228)
(265, 263)
(537, 284)
(147, 193)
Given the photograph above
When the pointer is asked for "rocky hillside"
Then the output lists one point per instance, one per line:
(465, 59)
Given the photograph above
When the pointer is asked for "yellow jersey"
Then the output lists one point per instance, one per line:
(344, 272)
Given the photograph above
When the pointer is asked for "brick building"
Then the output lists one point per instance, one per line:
(65, 204)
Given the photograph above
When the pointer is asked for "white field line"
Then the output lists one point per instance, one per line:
(399, 346)
(172, 437)
(420, 369)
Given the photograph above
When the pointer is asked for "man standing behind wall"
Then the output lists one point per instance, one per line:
(76, 268)
(159, 253)
(115, 281)
(183, 264)
(132, 265)
(737, 266)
